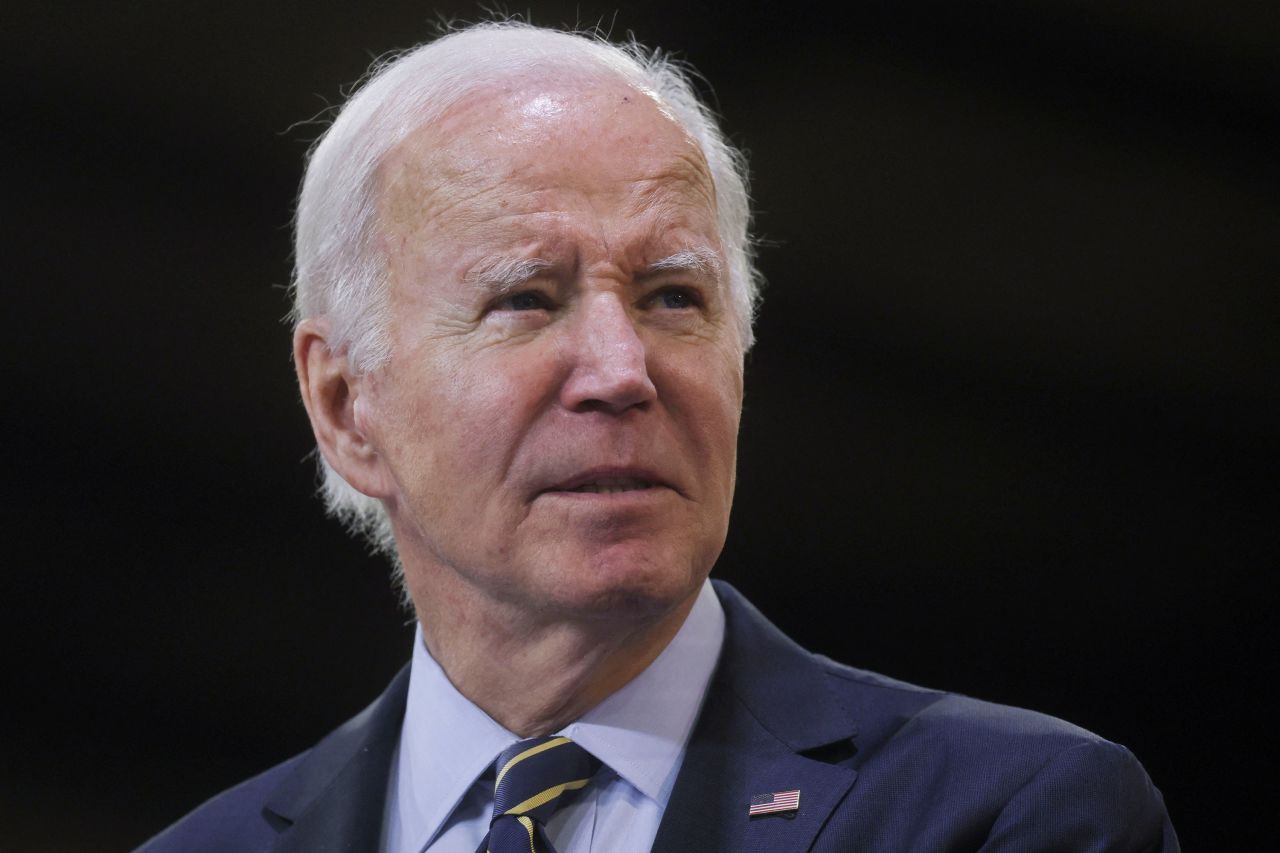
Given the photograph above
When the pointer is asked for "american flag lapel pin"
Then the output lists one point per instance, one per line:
(777, 802)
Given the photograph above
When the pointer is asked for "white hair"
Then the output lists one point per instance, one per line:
(340, 273)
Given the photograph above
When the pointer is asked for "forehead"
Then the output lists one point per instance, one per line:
(518, 156)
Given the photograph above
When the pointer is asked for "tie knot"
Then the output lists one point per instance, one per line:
(536, 776)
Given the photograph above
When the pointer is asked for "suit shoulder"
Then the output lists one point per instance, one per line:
(1020, 779)
(231, 821)
(942, 717)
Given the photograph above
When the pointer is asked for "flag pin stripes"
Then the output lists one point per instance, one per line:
(781, 801)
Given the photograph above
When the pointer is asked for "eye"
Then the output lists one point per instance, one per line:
(524, 300)
(676, 298)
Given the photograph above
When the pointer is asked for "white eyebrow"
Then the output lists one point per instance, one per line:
(501, 274)
(701, 260)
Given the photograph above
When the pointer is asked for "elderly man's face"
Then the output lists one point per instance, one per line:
(558, 421)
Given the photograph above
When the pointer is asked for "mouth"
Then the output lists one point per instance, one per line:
(609, 482)
(613, 485)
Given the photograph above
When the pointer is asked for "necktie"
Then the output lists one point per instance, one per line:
(535, 777)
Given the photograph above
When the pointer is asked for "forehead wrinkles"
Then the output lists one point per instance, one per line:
(470, 166)
(431, 170)
(417, 183)
(682, 191)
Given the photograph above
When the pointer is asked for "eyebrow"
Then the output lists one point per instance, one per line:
(700, 260)
(501, 274)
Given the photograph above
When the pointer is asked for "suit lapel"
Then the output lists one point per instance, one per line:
(769, 710)
(769, 704)
(334, 800)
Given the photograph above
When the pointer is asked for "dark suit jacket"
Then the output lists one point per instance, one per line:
(880, 765)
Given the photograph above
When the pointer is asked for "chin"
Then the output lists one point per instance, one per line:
(624, 581)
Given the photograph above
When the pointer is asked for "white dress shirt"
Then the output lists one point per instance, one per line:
(441, 786)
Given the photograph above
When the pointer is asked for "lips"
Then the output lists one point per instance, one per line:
(612, 485)
(609, 481)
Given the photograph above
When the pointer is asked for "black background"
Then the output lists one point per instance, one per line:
(1009, 425)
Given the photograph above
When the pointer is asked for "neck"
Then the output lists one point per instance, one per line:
(533, 674)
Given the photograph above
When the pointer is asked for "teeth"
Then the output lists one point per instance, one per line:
(612, 485)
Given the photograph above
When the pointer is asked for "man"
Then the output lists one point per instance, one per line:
(524, 294)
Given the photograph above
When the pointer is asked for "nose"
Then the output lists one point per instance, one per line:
(607, 359)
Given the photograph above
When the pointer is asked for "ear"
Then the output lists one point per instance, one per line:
(331, 393)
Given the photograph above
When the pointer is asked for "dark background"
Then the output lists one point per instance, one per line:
(1014, 395)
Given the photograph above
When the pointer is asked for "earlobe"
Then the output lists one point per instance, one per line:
(330, 391)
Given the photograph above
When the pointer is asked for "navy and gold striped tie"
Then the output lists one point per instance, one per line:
(535, 777)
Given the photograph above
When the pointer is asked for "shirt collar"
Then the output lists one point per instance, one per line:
(639, 732)
(446, 743)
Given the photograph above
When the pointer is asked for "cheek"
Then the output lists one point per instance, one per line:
(480, 417)
(724, 416)
(712, 400)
